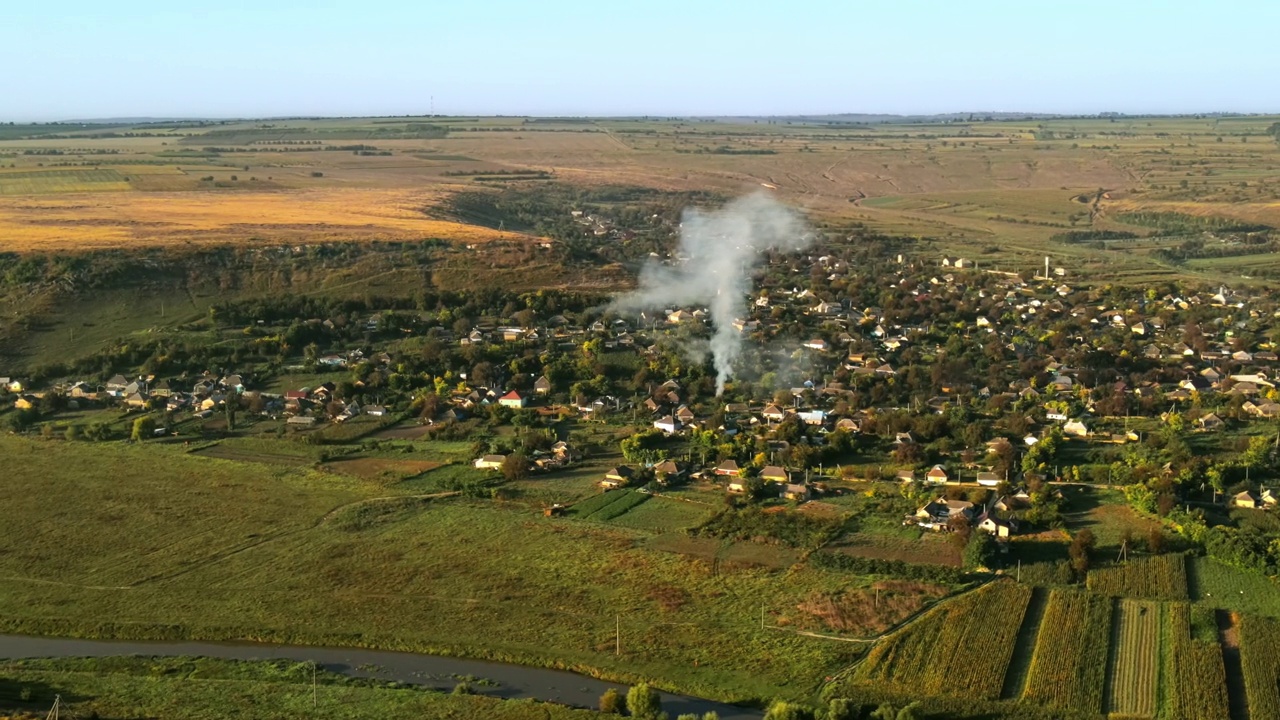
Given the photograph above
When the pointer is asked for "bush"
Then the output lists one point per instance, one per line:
(643, 702)
(611, 702)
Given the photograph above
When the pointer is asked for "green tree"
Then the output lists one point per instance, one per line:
(611, 702)
(143, 428)
(780, 710)
(980, 551)
(515, 467)
(643, 702)
(1081, 544)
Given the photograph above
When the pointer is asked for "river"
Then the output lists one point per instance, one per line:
(503, 680)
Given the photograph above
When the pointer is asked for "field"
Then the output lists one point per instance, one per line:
(1069, 667)
(997, 191)
(207, 689)
(373, 468)
(1259, 639)
(960, 647)
(1197, 682)
(663, 515)
(1134, 679)
(1217, 585)
(1162, 577)
(217, 549)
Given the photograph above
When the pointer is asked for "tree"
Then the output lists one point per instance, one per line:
(980, 551)
(643, 702)
(143, 428)
(1081, 544)
(841, 709)
(779, 710)
(515, 467)
(229, 406)
(611, 702)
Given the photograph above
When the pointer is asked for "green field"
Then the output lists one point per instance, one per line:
(1068, 669)
(147, 542)
(663, 515)
(1221, 586)
(208, 689)
(1135, 669)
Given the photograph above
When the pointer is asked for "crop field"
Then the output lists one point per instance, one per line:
(1135, 670)
(1221, 586)
(1069, 667)
(994, 191)
(1196, 686)
(1162, 577)
(661, 514)
(382, 469)
(1259, 641)
(928, 548)
(962, 647)
(221, 550)
(865, 611)
(608, 505)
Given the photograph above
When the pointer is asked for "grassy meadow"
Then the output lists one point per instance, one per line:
(151, 542)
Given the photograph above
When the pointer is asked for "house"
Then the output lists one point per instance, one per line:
(996, 527)
(490, 462)
(680, 316)
(905, 476)
(136, 400)
(942, 510)
(773, 412)
(116, 384)
(798, 492)
(936, 474)
(1076, 428)
(1210, 422)
(513, 399)
(301, 421)
(775, 473)
(375, 410)
(684, 415)
(816, 344)
(728, 467)
(1245, 499)
(617, 477)
(989, 479)
(668, 471)
(738, 485)
(667, 424)
(542, 386)
(1269, 499)
(25, 402)
(1013, 503)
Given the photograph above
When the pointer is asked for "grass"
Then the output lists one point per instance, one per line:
(1221, 586)
(113, 540)
(664, 515)
(208, 689)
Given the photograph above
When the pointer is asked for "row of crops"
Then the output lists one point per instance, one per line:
(608, 505)
(924, 658)
(1160, 577)
(1068, 668)
(1134, 647)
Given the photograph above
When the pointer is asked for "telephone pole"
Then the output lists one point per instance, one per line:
(617, 637)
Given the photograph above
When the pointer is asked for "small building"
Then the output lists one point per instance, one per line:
(989, 479)
(490, 462)
(728, 467)
(1076, 428)
(668, 471)
(301, 421)
(617, 477)
(1245, 499)
(997, 527)
(542, 386)
(667, 424)
(937, 474)
(775, 473)
(798, 492)
(513, 400)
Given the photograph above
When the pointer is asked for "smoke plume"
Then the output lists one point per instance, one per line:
(720, 247)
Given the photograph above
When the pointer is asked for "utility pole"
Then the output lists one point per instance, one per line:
(761, 616)
(617, 638)
(53, 712)
(315, 699)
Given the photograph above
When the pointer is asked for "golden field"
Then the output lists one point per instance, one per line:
(139, 219)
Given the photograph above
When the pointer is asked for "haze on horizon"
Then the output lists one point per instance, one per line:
(80, 60)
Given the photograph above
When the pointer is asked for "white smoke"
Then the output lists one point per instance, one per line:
(720, 247)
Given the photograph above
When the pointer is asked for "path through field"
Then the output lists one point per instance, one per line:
(1135, 648)
(1229, 636)
(1015, 678)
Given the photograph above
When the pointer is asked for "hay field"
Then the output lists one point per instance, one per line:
(134, 219)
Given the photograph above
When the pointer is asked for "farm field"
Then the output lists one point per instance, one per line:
(1134, 679)
(235, 550)
(661, 514)
(1068, 669)
(937, 654)
(1221, 586)
(1197, 681)
(1001, 192)
(1162, 577)
(1259, 638)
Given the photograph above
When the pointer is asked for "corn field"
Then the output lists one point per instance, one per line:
(1160, 577)
(1068, 668)
(961, 648)
(1260, 656)
(1196, 677)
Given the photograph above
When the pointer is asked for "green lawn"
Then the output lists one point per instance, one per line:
(118, 540)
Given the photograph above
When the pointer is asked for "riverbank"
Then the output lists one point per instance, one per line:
(491, 679)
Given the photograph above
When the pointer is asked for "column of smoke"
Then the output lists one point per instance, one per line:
(721, 248)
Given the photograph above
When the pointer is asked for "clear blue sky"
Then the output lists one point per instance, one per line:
(81, 59)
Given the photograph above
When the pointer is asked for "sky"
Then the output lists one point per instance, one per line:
(76, 59)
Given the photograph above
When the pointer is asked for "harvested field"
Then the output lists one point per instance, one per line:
(402, 432)
(133, 219)
(1135, 668)
(380, 468)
